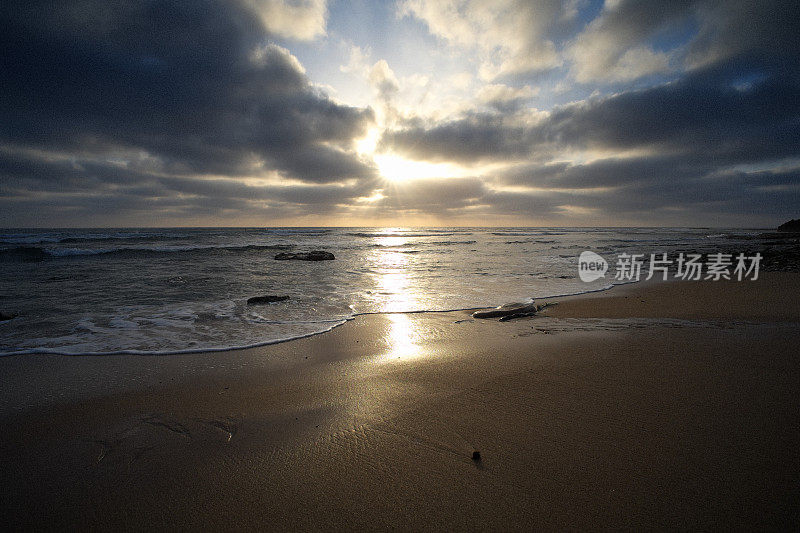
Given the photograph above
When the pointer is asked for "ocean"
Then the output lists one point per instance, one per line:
(162, 291)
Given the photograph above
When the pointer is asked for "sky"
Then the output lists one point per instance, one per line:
(133, 113)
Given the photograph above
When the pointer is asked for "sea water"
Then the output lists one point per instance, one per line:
(158, 291)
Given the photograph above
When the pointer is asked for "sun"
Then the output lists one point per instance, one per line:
(396, 168)
(393, 167)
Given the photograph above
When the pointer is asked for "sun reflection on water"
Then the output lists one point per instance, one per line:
(397, 293)
(391, 241)
(392, 275)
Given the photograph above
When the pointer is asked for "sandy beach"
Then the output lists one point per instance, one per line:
(649, 406)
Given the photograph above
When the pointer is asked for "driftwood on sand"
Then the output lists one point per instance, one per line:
(510, 311)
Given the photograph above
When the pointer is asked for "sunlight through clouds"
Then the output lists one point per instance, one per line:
(324, 112)
(396, 168)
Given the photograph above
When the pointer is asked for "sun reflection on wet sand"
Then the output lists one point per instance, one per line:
(402, 338)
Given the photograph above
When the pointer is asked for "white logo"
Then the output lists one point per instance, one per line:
(630, 267)
(591, 266)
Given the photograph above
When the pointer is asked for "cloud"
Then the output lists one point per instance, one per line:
(101, 192)
(357, 62)
(510, 36)
(627, 40)
(668, 191)
(171, 111)
(720, 139)
(473, 137)
(504, 98)
(635, 38)
(189, 88)
(295, 19)
(592, 62)
(705, 113)
(755, 27)
(616, 46)
(522, 37)
(425, 195)
(383, 79)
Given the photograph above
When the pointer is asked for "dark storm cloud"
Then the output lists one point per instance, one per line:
(194, 85)
(618, 172)
(733, 195)
(741, 110)
(30, 177)
(733, 198)
(472, 137)
(767, 28)
(661, 188)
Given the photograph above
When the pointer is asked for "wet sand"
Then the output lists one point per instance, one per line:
(670, 405)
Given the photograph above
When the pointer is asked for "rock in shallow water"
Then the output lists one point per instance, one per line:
(7, 316)
(268, 299)
(792, 226)
(515, 308)
(315, 255)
